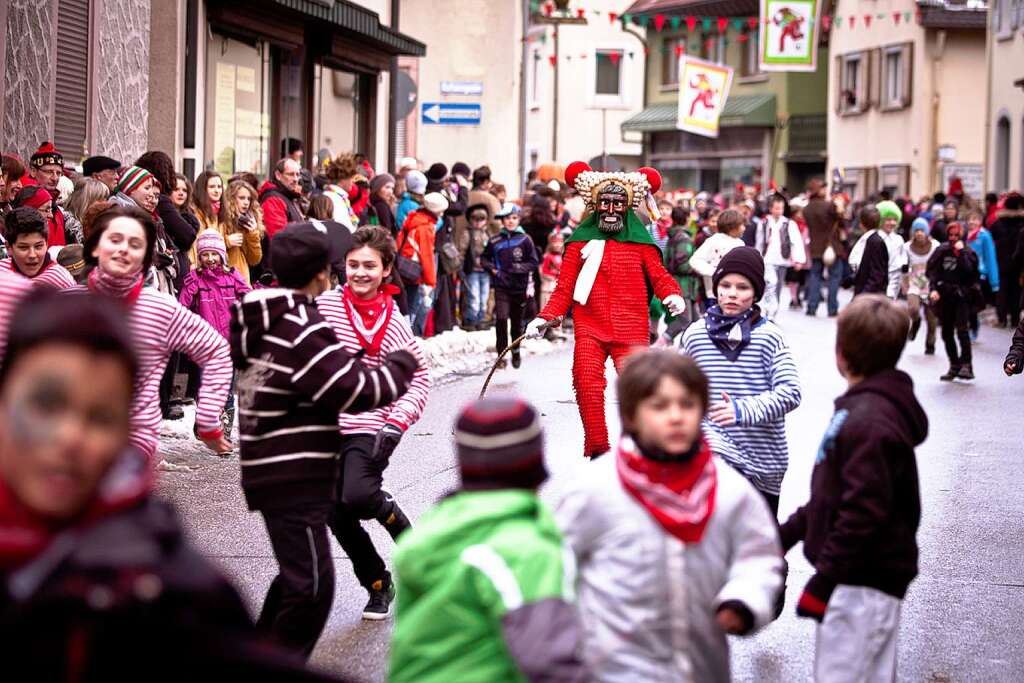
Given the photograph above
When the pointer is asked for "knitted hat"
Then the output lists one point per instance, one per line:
(889, 209)
(745, 261)
(507, 209)
(500, 444)
(297, 253)
(437, 171)
(211, 240)
(46, 155)
(919, 225)
(131, 179)
(435, 203)
(380, 180)
(97, 164)
(461, 168)
(416, 182)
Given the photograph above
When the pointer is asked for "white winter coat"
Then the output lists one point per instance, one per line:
(647, 600)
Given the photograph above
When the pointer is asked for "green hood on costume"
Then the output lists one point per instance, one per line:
(634, 231)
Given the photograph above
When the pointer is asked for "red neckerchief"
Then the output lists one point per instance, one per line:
(679, 495)
(23, 535)
(369, 312)
(664, 225)
(126, 289)
(973, 234)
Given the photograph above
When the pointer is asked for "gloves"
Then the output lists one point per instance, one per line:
(814, 600)
(675, 304)
(533, 330)
(385, 442)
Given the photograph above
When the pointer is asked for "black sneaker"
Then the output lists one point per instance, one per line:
(393, 520)
(951, 374)
(382, 594)
(516, 360)
(966, 371)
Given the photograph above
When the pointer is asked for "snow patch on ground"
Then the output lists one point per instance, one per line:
(458, 353)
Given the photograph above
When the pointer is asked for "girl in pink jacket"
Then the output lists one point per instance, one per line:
(209, 291)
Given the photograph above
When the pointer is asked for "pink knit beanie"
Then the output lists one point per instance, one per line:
(210, 240)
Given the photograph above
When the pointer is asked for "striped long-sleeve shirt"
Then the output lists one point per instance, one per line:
(51, 275)
(294, 377)
(12, 289)
(764, 386)
(161, 326)
(397, 335)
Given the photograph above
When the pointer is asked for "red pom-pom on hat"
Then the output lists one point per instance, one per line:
(574, 169)
(653, 177)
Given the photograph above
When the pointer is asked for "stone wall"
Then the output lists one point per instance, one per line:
(28, 75)
(121, 79)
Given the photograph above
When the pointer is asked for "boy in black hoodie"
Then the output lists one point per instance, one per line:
(294, 378)
(953, 274)
(859, 527)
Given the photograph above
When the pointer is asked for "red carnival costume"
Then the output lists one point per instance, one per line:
(609, 261)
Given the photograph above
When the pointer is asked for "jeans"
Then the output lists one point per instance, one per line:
(1008, 297)
(509, 306)
(478, 288)
(419, 308)
(954, 319)
(835, 275)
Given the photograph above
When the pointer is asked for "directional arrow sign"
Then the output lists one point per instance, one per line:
(451, 113)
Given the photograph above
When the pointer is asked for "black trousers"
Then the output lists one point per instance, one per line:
(300, 596)
(360, 497)
(1008, 297)
(954, 317)
(509, 306)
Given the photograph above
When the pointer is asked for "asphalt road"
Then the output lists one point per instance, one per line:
(962, 619)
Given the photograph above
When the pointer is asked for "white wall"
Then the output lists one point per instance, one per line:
(1006, 99)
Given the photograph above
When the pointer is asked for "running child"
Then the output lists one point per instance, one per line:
(511, 258)
(953, 274)
(367, 321)
(916, 251)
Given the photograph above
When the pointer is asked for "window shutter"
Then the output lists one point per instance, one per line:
(874, 77)
(70, 120)
(908, 75)
(839, 78)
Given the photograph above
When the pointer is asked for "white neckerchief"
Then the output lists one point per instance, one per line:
(592, 253)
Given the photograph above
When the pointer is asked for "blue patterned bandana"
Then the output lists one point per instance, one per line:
(730, 333)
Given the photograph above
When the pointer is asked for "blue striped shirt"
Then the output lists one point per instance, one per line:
(764, 385)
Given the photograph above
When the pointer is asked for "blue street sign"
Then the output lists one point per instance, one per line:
(451, 113)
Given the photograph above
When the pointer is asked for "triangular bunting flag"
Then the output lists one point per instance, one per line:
(867, 20)
(675, 21)
(737, 25)
(615, 57)
(743, 37)
(853, 20)
(659, 22)
(552, 60)
(826, 22)
(723, 23)
(612, 16)
(705, 24)
(752, 22)
(896, 18)
(691, 23)
(679, 50)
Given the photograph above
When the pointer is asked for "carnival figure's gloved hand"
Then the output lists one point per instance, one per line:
(386, 441)
(535, 330)
(675, 304)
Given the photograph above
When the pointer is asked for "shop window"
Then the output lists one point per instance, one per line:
(237, 106)
(852, 83)
(1002, 155)
(895, 179)
(291, 101)
(671, 50)
(749, 65)
(896, 76)
(341, 112)
(608, 80)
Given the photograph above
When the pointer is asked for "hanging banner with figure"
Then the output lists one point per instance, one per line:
(789, 35)
(703, 87)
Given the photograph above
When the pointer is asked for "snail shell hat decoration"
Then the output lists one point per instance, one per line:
(590, 183)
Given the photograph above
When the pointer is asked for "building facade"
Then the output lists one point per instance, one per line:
(1005, 123)
(902, 112)
(773, 126)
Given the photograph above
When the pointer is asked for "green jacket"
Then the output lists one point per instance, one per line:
(482, 594)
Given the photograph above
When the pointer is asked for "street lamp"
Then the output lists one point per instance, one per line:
(556, 14)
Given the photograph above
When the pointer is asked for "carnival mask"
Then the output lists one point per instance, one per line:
(612, 204)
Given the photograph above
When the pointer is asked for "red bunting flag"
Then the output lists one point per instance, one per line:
(647, 50)
(549, 9)
(752, 22)
(615, 57)
(552, 60)
(659, 22)
(867, 20)
(723, 23)
(896, 17)
(917, 14)
(691, 23)
(743, 37)
(581, 12)
(853, 20)
(826, 22)
(612, 16)
(679, 50)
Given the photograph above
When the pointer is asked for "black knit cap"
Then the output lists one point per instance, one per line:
(461, 168)
(298, 253)
(500, 445)
(437, 171)
(99, 163)
(745, 261)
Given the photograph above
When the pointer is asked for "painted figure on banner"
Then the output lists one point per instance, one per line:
(789, 35)
(702, 95)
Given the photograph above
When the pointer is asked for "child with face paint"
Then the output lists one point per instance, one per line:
(119, 253)
(366, 320)
(952, 273)
(209, 291)
(660, 514)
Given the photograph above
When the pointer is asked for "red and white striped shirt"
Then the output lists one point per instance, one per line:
(52, 275)
(160, 326)
(407, 410)
(12, 289)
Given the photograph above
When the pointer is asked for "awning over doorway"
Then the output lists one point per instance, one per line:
(359, 20)
(740, 110)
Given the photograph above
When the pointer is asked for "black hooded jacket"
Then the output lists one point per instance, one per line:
(859, 527)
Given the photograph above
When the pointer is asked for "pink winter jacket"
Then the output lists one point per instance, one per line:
(210, 294)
